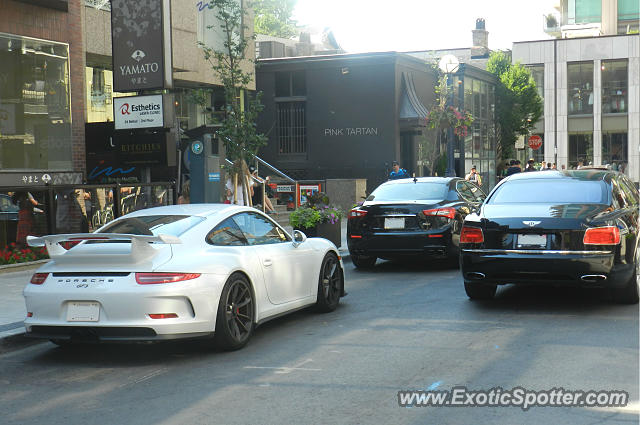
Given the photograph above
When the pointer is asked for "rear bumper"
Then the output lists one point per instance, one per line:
(106, 333)
(400, 244)
(568, 268)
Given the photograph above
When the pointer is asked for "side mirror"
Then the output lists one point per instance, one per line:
(298, 238)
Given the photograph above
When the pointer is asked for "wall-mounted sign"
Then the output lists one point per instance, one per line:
(143, 148)
(285, 188)
(138, 112)
(351, 131)
(141, 44)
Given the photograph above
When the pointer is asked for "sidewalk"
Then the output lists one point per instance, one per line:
(14, 279)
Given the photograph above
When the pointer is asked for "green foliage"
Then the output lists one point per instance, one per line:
(273, 17)
(518, 105)
(305, 217)
(238, 128)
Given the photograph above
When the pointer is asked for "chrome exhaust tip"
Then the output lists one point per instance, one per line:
(593, 278)
(475, 275)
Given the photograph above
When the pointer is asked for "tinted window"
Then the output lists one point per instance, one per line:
(632, 193)
(153, 225)
(465, 191)
(409, 191)
(227, 233)
(551, 191)
(477, 192)
(259, 230)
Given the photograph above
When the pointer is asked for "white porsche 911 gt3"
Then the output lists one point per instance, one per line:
(179, 271)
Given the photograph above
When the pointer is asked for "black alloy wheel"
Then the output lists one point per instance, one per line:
(330, 283)
(630, 293)
(235, 319)
(363, 262)
(479, 291)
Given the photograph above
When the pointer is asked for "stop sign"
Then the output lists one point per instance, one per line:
(535, 142)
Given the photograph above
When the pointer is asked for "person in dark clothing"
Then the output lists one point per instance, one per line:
(514, 168)
(530, 166)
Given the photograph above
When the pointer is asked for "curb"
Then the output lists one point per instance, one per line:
(8, 268)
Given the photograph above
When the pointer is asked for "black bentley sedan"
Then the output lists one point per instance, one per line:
(411, 217)
(573, 228)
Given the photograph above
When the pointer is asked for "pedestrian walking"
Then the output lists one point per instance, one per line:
(530, 165)
(514, 167)
(397, 172)
(474, 176)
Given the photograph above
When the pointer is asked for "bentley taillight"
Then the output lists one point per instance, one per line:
(357, 213)
(159, 278)
(471, 235)
(609, 235)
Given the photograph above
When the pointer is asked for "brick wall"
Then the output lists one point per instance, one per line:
(67, 27)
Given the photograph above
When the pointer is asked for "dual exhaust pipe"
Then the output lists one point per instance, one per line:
(589, 278)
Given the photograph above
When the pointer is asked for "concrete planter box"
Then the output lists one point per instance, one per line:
(333, 232)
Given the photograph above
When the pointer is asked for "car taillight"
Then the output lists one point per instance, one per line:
(356, 213)
(39, 278)
(441, 212)
(609, 235)
(471, 235)
(163, 316)
(156, 278)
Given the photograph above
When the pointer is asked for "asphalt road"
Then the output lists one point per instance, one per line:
(400, 327)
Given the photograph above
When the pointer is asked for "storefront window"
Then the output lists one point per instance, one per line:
(614, 86)
(580, 149)
(580, 88)
(35, 119)
(614, 150)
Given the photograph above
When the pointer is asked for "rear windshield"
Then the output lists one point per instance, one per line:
(153, 225)
(551, 191)
(409, 191)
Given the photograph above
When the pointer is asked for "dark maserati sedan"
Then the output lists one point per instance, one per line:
(573, 228)
(411, 217)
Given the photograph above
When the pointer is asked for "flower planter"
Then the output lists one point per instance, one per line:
(333, 232)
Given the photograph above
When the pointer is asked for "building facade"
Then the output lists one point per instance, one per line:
(590, 84)
(350, 116)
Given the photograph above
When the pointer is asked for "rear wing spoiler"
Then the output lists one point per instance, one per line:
(140, 244)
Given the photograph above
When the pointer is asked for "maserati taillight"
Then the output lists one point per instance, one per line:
(357, 213)
(609, 235)
(441, 212)
(471, 235)
(39, 278)
(158, 278)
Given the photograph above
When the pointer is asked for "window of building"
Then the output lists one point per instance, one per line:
(614, 86)
(628, 10)
(292, 129)
(584, 11)
(537, 72)
(580, 149)
(615, 150)
(290, 84)
(35, 113)
(580, 88)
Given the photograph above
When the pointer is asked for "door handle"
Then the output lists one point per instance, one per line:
(267, 262)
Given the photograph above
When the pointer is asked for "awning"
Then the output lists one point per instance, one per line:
(411, 108)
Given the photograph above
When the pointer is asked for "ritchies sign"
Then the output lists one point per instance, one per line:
(139, 39)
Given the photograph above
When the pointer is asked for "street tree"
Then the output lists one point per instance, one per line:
(440, 117)
(237, 127)
(518, 105)
(273, 17)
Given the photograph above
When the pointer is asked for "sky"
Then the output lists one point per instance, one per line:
(405, 25)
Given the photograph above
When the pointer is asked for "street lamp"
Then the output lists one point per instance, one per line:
(449, 65)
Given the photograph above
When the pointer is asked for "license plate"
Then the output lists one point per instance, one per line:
(538, 241)
(394, 223)
(83, 311)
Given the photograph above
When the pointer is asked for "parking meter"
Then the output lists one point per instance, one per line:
(207, 176)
